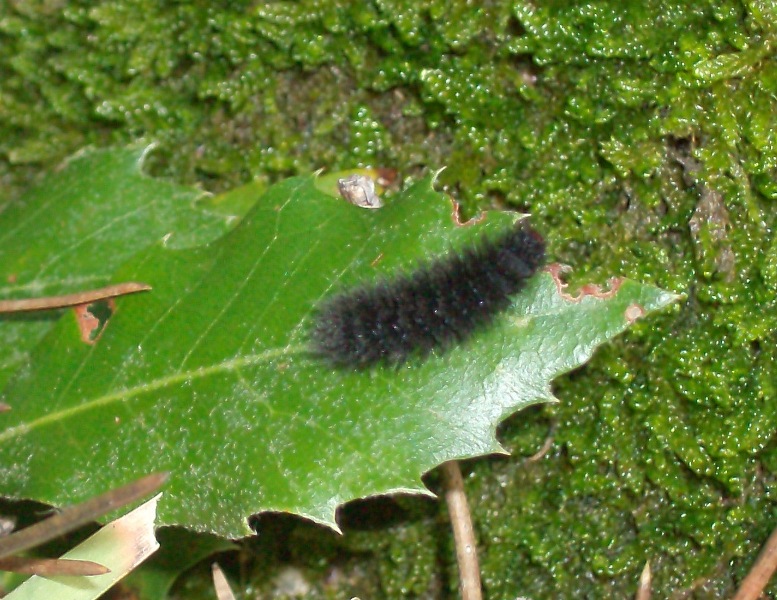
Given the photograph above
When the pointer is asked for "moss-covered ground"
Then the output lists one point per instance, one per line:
(641, 136)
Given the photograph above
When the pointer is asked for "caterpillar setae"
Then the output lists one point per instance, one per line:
(433, 307)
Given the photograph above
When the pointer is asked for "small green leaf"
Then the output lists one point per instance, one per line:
(210, 376)
(727, 66)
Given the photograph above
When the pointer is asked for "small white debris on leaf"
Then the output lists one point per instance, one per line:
(359, 190)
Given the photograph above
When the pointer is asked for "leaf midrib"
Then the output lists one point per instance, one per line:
(152, 386)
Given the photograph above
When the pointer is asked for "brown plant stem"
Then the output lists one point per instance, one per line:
(761, 572)
(49, 567)
(87, 297)
(645, 589)
(463, 532)
(220, 584)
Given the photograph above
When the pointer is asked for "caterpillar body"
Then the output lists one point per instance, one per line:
(433, 307)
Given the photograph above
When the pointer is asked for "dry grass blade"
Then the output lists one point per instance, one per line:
(73, 517)
(87, 297)
(49, 567)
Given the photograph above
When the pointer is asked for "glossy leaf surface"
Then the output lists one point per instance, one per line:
(210, 376)
(74, 229)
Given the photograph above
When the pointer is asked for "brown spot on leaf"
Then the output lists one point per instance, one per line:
(4, 407)
(634, 312)
(589, 289)
(12, 278)
(91, 321)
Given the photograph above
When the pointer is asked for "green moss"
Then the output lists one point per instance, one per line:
(642, 139)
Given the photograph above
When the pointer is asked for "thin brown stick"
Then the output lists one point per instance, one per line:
(220, 584)
(645, 589)
(540, 454)
(48, 567)
(73, 517)
(463, 532)
(761, 572)
(87, 297)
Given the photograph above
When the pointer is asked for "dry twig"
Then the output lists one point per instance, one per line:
(762, 571)
(48, 567)
(645, 589)
(220, 584)
(463, 532)
(73, 517)
(87, 297)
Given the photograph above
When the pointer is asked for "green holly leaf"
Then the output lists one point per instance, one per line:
(210, 375)
(72, 231)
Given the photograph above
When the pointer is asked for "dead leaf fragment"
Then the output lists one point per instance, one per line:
(589, 289)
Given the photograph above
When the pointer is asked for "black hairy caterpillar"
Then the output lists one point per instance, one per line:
(433, 307)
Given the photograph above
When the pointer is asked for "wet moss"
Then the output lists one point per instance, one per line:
(641, 138)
